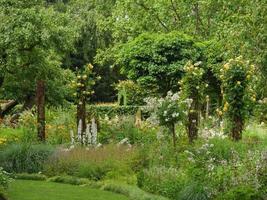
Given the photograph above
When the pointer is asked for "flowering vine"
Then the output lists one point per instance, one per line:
(238, 95)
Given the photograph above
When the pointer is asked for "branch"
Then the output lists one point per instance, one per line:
(177, 17)
(7, 107)
(153, 13)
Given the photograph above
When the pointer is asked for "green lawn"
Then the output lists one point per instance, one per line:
(41, 190)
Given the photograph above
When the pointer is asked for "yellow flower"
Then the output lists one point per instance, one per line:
(90, 66)
(225, 107)
(238, 83)
(219, 112)
(226, 66)
(248, 76)
(84, 77)
(253, 99)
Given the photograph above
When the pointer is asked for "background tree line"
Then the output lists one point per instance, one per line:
(53, 39)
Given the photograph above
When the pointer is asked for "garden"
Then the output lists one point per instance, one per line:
(133, 100)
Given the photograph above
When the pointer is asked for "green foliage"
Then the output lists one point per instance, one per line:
(260, 110)
(4, 182)
(156, 61)
(69, 180)
(59, 122)
(118, 128)
(192, 83)
(91, 16)
(167, 111)
(161, 180)
(93, 164)
(132, 192)
(83, 85)
(194, 191)
(244, 192)
(111, 110)
(237, 93)
(24, 157)
(130, 92)
(4, 178)
(37, 36)
(25, 176)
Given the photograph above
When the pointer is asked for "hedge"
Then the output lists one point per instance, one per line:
(111, 110)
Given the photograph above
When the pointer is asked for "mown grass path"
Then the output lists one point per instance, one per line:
(41, 190)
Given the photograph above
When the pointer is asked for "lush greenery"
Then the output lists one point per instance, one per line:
(146, 98)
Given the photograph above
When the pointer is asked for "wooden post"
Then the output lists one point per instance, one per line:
(40, 103)
(207, 106)
(193, 121)
(81, 111)
(173, 136)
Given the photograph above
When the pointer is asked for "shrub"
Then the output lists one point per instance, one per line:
(25, 176)
(130, 93)
(193, 191)
(4, 181)
(59, 122)
(244, 192)
(161, 180)
(28, 158)
(70, 180)
(4, 178)
(117, 128)
(167, 111)
(132, 192)
(237, 93)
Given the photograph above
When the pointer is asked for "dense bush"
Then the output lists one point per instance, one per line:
(28, 158)
(206, 170)
(244, 192)
(130, 93)
(161, 180)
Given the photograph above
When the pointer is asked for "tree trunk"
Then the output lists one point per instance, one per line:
(193, 121)
(81, 115)
(40, 103)
(173, 136)
(237, 129)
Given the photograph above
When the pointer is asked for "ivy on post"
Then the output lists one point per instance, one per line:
(238, 94)
(40, 104)
(192, 88)
(83, 86)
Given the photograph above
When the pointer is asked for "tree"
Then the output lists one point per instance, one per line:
(33, 40)
(156, 61)
(95, 35)
(240, 26)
